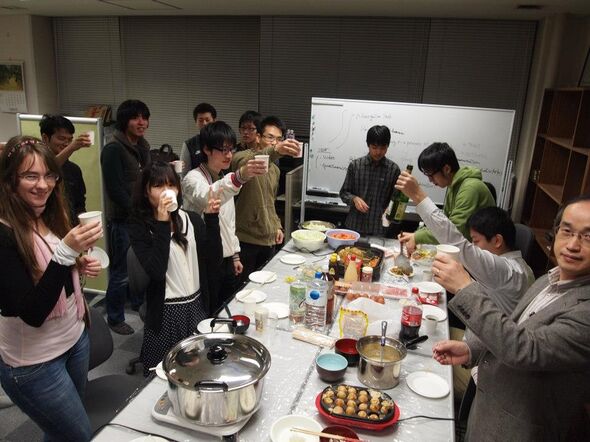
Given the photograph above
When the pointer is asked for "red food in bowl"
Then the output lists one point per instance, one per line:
(347, 347)
(338, 430)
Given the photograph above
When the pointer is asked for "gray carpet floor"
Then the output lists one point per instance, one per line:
(15, 426)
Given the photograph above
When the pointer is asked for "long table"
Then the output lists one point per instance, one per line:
(292, 384)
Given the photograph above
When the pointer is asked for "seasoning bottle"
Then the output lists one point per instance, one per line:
(333, 266)
(326, 276)
(367, 274)
(261, 317)
(411, 317)
(351, 273)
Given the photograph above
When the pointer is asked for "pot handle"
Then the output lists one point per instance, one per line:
(411, 344)
(211, 385)
(229, 321)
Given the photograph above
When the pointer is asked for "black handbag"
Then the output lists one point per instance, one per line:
(164, 153)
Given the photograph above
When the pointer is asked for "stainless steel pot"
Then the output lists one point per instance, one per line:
(217, 378)
(376, 372)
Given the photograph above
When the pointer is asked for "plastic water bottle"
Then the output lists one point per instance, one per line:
(316, 301)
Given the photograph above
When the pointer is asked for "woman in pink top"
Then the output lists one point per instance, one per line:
(44, 345)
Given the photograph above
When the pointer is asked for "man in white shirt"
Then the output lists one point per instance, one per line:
(533, 364)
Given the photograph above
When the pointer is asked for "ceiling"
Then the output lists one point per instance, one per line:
(491, 9)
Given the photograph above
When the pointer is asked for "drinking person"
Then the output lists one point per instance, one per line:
(44, 345)
(180, 253)
(218, 141)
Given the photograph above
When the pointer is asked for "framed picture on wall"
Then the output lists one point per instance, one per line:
(585, 76)
(13, 98)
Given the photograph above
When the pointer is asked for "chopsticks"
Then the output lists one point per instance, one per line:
(328, 435)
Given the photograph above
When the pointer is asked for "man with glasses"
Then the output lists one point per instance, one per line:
(249, 124)
(466, 192)
(369, 183)
(257, 224)
(533, 380)
(57, 132)
(203, 114)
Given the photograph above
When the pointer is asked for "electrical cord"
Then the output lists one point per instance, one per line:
(427, 417)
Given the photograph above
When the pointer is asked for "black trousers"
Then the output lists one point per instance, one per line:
(254, 257)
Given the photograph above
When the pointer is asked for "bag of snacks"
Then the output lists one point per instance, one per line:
(352, 323)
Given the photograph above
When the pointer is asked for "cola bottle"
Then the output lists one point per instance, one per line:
(411, 317)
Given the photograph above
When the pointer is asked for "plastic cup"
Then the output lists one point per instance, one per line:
(90, 217)
(90, 134)
(429, 322)
(263, 158)
(300, 154)
(171, 194)
(178, 166)
(448, 249)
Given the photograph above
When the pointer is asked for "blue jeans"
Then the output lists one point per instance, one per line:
(116, 294)
(51, 393)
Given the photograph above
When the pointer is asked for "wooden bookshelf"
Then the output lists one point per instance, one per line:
(560, 169)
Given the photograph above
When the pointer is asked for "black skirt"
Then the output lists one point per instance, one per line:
(180, 317)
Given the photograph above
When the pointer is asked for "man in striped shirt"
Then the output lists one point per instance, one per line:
(368, 185)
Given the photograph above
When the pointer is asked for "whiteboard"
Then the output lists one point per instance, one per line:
(88, 159)
(338, 131)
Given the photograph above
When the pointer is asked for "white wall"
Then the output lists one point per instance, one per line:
(29, 39)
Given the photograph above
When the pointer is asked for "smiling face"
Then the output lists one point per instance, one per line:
(572, 253)
(60, 139)
(136, 128)
(35, 194)
(218, 160)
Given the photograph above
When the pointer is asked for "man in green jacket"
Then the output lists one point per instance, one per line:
(466, 192)
(258, 226)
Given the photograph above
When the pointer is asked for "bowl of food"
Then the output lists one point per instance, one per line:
(423, 255)
(320, 226)
(341, 237)
(331, 367)
(242, 323)
(346, 347)
(338, 430)
(308, 240)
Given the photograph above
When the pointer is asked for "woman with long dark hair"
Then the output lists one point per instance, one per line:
(180, 254)
(44, 346)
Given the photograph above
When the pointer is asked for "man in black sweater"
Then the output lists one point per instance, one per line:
(57, 132)
(122, 161)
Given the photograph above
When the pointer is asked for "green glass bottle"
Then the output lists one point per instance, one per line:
(397, 206)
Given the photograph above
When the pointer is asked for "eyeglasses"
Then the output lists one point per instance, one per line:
(225, 150)
(33, 178)
(247, 129)
(272, 138)
(567, 233)
(431, 174)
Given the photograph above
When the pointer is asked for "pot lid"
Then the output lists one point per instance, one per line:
(217, 361)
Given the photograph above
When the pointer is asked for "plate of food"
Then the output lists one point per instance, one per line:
(321, 226)
(397, 272)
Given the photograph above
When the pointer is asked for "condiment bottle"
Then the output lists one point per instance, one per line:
(333, 266)
(261, 317)
(351, 273)
(367, 274)
(411, 318)
(329, 278)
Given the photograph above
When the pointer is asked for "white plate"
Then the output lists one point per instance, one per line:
(160, 371)
(262, 277)
(396, 275)
(101, 255)
(432, 310)
(250, 295)
(292, 259)
(149, 438)
(280, 431)
(281, 309)
(427, 384)
(205, 327)
(429, 287)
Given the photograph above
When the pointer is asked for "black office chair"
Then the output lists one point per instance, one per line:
(105, 395)
(492, 190)
(525, 240)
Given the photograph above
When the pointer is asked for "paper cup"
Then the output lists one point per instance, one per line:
(100, 255)
(429, 322)
(178, 166)
(90, 134)
(90, 217)
(264, 158)
(249, 308)
(171, 194)
(300, 154)
(450, 250)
